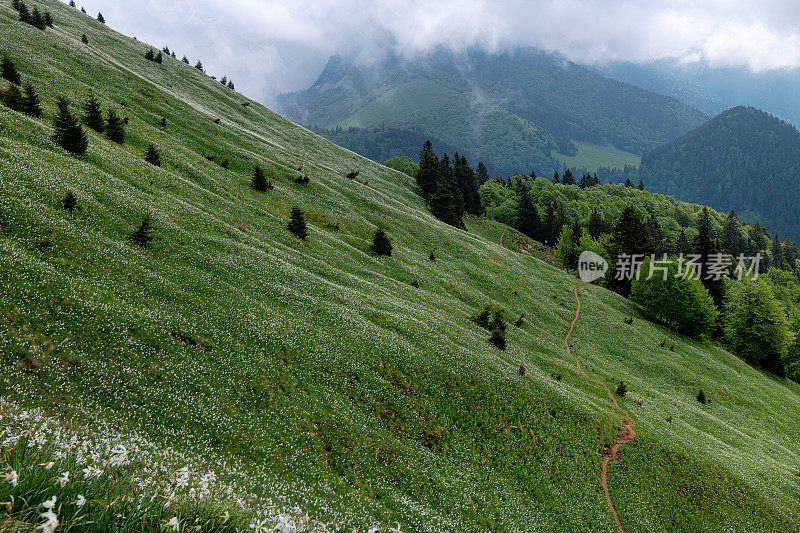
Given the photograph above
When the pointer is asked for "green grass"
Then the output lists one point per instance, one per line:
(592, 156)
(314, 374)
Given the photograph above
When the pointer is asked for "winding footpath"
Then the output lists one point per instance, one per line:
(626, 433)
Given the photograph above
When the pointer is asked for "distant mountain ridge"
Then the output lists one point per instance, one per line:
(743, 159)
(517, 110)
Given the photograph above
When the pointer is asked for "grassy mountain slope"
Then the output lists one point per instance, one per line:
(518, 110)
(743, 159)
(316, 374)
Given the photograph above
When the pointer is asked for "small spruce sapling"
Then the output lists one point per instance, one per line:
(152, 156)
(381, 245)
(115, 129)
(69, 202)
(144, 233)
(68, 132)
(297, 223)
(622, 389)
(701, 397)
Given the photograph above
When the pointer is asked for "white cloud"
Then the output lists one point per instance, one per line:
(271, 46)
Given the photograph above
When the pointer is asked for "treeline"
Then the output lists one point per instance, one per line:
(744, 159)
(619, 222)
(450, 188)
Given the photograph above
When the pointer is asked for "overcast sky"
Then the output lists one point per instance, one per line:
(272, 46)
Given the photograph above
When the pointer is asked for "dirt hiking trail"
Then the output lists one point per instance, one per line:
(626, 433)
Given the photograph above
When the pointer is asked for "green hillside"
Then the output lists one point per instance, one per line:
(313, 379)
(518, 111)
(743, 159)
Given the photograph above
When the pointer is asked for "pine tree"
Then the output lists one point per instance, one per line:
(68, 132)
(468, 185)
(144, 233)
(597, 225)
(159, 58)
(9, 72)
(231, 86)
(428, 174)
(185, 59)
(482, 175)
(84, 39)
(93, 115)
(13, 98)
(48, 19)
(297, 223)
(629, 183)
(100, 18)
(381, 245)
(150, 55)
(622, 389)
(568, 178)
(83, 10)
(36, 19)
(260, 181)
(640, 186)
(199, 65)
(556, 177)
(69, 202)
(31, 103)
(152, 156)
(549, 224)
(115, 129)
(528, 221)
(778, 257)
(71, 3)
(682, 245)
(701, 397)
(224, 80)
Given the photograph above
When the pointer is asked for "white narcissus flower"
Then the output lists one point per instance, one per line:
(174, 524)
(80, 501)
(284, 524)
(47, 466)
(49, 504)
(64, 479)
(12, 477)
(50, 521)
(226, 516)
(258, 526)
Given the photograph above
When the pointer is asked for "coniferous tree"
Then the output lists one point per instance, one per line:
(13, 98)
(68, 132)
(549, 224)
(701, 397)
(115, 129)
(428, 172)
(150, 55)
(732, 235)
(381, 245)
(446, 202)
(704, 245)
(568, 178)
(185, 59)
(93, 115)
(152, 156)
(48, 19)
(24, 14)
(199, 65)
(528, 222)
(556, 177)
(482, 174)
(84, 39)
(224, 80)
(231, 86)
(260, 181)
(100, 18)
(778, 257)
(9, 72)
(15, 4)
(31, 103)
(629, 183)
(630, 237)
(83, 10)
(465, 179)
(144, 233)
(597, 225)
(159, 58)
(640, 186)
(71, 3)
(36, 20)
(69, 202)
(297, 223)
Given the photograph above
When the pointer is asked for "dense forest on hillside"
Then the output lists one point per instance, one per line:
(515, 109)
(744, 159)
